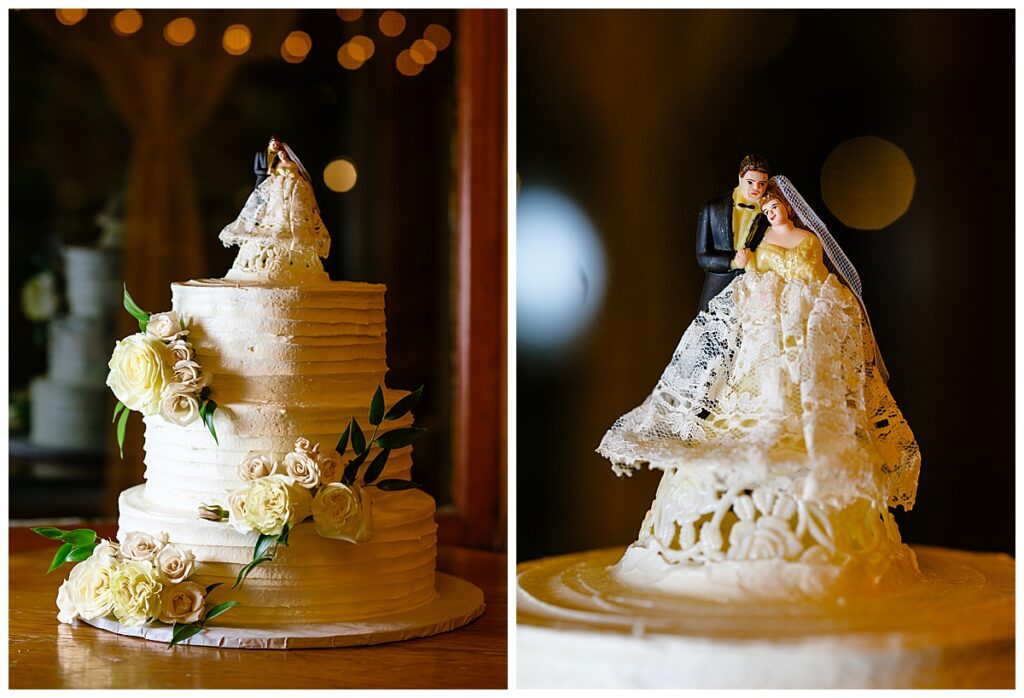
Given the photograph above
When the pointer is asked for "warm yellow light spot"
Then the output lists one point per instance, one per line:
(406, 65)
(69, 17)
(391, 23)
(867, 182)
(349, 15)
(340, 175)
(180, 31)
(126, 22)
(365, 43)
(438, 36)
(298, 44)
(237, 39)
(423, 51)
(347, 59)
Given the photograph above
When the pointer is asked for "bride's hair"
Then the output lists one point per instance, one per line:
(772, 192)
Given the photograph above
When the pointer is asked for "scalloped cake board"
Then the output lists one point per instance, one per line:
(577, 627)
(458, 603)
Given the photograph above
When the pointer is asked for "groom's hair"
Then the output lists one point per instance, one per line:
(756, 163)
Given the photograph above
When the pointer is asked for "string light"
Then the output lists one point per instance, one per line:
(406, 65)
(70, 17)
(365, 43)
(126, 22)
(180, 31)
(391, 23)
(296, 47)
(423, 51)
(349, 15)
(237, 39)
(438, 36)
(340, 175)
(347, 59)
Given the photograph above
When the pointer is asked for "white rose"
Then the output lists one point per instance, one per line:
(330, 466)
(236, 511)
(273, 501)
(256, 465)
(181, 408)
(163, 325)
(140, 368)
(303, 466)
(190, 377)
(87, 591)
(106, 548)
(182, 603)
(135, 591)
(343, 512)
(181, 350)
(174, 563)
(142, 546)
(302, 445)
(767, 539)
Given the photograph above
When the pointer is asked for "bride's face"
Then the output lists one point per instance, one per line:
(775, 211)
(753, 184)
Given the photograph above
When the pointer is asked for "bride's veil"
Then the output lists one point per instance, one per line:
(295, 159)
(836, 260)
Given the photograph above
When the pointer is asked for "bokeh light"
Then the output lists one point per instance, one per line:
(340, 175)
(349, 15)
(391, 23)
(438, 36)
(422, 51)
(406, 65)
(237, 39)
(69, 17)
(126, 22)
(346, 57)
(364, 43)
(560, 269)
(867, 182)
(296, 47)
(180, 31)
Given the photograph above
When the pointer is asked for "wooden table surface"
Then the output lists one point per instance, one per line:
(47, 654)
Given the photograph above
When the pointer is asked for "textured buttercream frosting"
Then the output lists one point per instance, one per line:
(286, 362)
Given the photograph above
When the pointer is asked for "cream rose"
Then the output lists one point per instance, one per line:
(174, 563)
(343, 512)
(135, 592)
(106, 548)
(256, 465)
(181, 350)
(302, 445)
(163, 325)
(303, 467)
(330, 466)
(182, 603)
(181, 408)
(189, 377)
(236, 511)
(87, 591)
(273, 501)
(142, 546)
(140, 368)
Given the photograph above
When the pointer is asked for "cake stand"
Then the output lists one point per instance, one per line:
(580, 628)
(458, 603)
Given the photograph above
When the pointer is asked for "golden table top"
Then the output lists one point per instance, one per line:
(46, 654)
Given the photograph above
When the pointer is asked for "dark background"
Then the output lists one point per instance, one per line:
(640, 116)
(72, 148)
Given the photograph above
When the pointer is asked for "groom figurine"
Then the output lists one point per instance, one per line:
(729, 226)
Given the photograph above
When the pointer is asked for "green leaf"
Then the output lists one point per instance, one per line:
(352, 469)
(283, 538)
(397, 438)
(183, 631)
(122, 423)
(343, 441)
(61, 557)
(400, 408)
(263, 544)
(80, 536)
(134, 310)
(83, 552)
(244, 572)
(377, 407)
(398, 485)
(117, 410)
(213, 586)
(51, 533)
(220, 608)
(206, 410)
(376, 467)
(358, 440)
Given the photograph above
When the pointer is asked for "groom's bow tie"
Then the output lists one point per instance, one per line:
(750, 206)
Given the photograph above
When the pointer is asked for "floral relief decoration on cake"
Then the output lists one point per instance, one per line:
(155, 371)
(309, 485)
(143, 579)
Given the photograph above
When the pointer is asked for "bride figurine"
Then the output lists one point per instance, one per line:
(279, 231)
(774, 426)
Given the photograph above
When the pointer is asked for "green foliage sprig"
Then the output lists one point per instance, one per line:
(76, 545)
(386, 442)
(263, 551)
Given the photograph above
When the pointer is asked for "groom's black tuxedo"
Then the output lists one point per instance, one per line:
(715, 246)
(259, 167)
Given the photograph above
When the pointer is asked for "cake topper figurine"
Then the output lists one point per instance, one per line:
(730, 227)
(280, 233)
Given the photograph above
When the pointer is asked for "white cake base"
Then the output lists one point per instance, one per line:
(458, 603)
(579, 628)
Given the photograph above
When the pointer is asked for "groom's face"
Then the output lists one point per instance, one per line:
(753, 184)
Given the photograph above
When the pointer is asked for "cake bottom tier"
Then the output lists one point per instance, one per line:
(578, 627)
(313, 579)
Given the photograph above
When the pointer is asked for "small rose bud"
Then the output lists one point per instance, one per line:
(212, 512)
